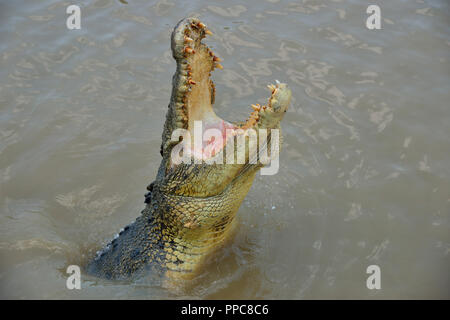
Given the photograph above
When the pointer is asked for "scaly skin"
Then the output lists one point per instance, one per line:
(190, 207)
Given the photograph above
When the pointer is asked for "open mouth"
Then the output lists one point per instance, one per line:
(195, 93)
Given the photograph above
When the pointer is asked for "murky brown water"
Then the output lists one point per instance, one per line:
(365, 168)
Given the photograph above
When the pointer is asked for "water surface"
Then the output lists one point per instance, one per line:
(365, 167)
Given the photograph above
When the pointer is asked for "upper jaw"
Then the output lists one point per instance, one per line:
(194, 90)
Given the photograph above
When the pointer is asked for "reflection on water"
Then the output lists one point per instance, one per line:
(364, 176)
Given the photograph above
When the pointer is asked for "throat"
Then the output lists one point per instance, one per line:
(209, 136)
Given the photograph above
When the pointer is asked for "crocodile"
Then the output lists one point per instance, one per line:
(191, 207)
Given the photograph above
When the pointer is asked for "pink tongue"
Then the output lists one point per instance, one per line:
(212, 146)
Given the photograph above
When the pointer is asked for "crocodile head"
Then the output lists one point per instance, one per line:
(214, 168)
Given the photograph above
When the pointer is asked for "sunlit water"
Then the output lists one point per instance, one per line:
(364, 177)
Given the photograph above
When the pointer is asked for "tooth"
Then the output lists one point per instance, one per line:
(188, 39)
(217, 59)
(208, 32)
(189, 50)
(271, 87)
(191, 81)
(218, 65)
(255, 107)
(201, 25)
